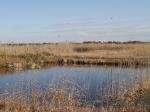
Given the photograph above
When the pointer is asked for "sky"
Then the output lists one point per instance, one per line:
(74, 20)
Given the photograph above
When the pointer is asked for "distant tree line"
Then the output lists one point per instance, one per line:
(115, 42)
(85, 42)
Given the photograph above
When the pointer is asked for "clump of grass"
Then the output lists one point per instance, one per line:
(136, 99)
(57, 101)
(33, 58)
(139, 94)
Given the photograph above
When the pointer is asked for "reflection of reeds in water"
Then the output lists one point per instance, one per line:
(69, 96)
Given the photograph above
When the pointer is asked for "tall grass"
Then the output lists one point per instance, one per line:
(87, 50)
(73, 53)
(60, 101)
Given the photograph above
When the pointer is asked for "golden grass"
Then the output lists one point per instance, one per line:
(139, 93)
(38, 53)
(67, 49)
(61, 101)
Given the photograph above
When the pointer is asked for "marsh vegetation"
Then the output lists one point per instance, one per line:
(119, 83)
(37, 55)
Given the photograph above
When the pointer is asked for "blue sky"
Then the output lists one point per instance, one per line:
(74, 20)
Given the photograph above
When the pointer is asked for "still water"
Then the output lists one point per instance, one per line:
(91, 82)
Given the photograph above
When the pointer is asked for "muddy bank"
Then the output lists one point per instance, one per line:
(103, 61)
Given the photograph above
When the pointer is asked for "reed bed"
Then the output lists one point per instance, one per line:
(60, 101)
(74, 53)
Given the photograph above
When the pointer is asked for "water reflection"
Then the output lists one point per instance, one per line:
(90, 83)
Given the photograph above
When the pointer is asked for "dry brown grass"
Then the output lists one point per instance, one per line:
(92, 51)
(139, 93)
(61, 101)
(70, 48)
(67, 49)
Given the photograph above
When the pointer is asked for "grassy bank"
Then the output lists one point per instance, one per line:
(36, 55)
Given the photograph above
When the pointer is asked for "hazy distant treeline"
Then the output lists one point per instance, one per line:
(85, 42)
(115, 42)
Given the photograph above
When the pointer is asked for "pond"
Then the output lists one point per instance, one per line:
(90, 83)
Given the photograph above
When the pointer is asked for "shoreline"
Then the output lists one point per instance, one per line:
(120, 62)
